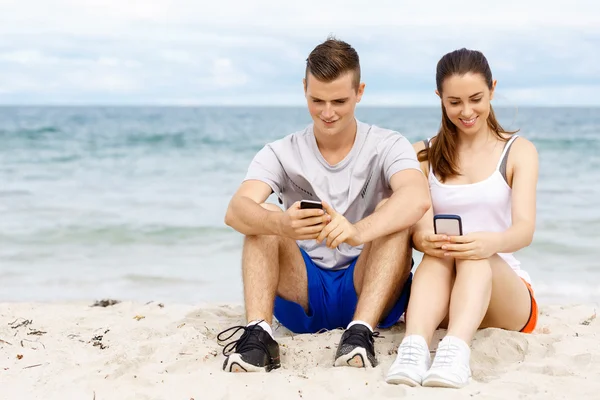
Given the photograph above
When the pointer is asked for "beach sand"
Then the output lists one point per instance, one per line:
(155, 351)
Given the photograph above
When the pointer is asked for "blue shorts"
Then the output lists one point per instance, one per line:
(332, 301)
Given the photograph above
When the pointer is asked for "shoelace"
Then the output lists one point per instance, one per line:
(410, 353)
(357, 337)
(244, 343)
(446, 355)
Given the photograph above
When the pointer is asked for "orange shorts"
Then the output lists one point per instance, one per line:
(533, 315)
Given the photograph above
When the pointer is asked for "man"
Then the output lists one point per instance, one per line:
(346, 265)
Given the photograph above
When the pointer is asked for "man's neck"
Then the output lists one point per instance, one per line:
(341, 142)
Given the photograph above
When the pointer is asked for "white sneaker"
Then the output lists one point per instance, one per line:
(412, 362)
(450, 366)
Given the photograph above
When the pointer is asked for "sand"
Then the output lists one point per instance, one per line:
(167, 351)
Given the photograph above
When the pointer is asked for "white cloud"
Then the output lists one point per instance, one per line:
(576, 95)
(179, 57)
(27, 57)
(294, 18)
(225, 74)
(233, 51)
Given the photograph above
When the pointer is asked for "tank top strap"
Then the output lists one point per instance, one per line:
(427, 142)
(504, 156)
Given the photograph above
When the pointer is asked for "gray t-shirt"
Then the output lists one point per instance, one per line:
(295, 169)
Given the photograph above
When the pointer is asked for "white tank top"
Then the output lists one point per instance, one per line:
(483, 206)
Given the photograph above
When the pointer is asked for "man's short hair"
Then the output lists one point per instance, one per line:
(332, 59)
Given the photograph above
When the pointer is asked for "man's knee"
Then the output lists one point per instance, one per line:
(270, 207)
(264, 239)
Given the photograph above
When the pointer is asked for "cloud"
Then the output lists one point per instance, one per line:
(232, 52)
(224, 74)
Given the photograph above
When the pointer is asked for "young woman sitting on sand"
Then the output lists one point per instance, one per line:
(488, 177)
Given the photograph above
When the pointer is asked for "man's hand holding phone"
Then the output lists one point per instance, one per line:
(339, 230)
(303, 224)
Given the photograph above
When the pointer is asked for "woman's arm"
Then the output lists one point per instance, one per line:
(524, 187)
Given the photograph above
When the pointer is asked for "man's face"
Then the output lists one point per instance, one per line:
(331, 104)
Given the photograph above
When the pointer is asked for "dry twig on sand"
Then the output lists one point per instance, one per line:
(32, 366)
(24, 322)
(105, 303)
(589, 320)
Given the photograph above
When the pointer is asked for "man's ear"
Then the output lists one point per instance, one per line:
(360, 91)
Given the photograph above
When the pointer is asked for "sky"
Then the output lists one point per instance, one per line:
(227, 52)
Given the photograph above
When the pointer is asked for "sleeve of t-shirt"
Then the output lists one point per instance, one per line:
(400, 156)
(265, 167)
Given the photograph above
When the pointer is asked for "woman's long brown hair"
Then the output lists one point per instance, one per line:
(441, 153)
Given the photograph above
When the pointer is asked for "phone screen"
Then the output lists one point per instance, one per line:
(304, 204)
(450, 227)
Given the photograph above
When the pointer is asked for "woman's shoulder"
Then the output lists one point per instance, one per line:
(523, 156)
(419, 146)
(522, 146)
(422, 144)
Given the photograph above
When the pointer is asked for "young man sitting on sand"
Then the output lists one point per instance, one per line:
(346, 265)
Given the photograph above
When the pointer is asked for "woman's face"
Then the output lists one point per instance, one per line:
(467, 99)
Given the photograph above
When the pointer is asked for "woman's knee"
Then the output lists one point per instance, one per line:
(482, 268)
(446, 262)
(433, 266)
(468, 263)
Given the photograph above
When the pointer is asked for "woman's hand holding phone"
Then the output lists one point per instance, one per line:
(431, 243)
(472, 246)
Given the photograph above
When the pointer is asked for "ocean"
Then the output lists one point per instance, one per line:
(128, 202)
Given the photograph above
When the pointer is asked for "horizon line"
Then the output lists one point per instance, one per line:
(125, 105)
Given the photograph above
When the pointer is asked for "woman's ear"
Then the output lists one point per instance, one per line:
(493, 89)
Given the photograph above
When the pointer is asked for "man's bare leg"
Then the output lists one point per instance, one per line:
(270, 265)
(380, 274)
(379, 277)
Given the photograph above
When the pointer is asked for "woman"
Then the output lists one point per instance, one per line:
(488, 177)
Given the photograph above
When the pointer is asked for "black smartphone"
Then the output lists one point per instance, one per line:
(307, 204)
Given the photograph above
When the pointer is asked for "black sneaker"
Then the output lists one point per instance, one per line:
(254, 351)
(356, 346)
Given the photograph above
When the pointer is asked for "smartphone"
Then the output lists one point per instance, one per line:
(447, 224)
(304, 204)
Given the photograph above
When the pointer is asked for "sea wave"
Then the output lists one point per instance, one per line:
(121, 234)
(160, 280)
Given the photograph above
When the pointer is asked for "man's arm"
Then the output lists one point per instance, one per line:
(407, 205)
(245, 213)
(424, 226)
(423, 230)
